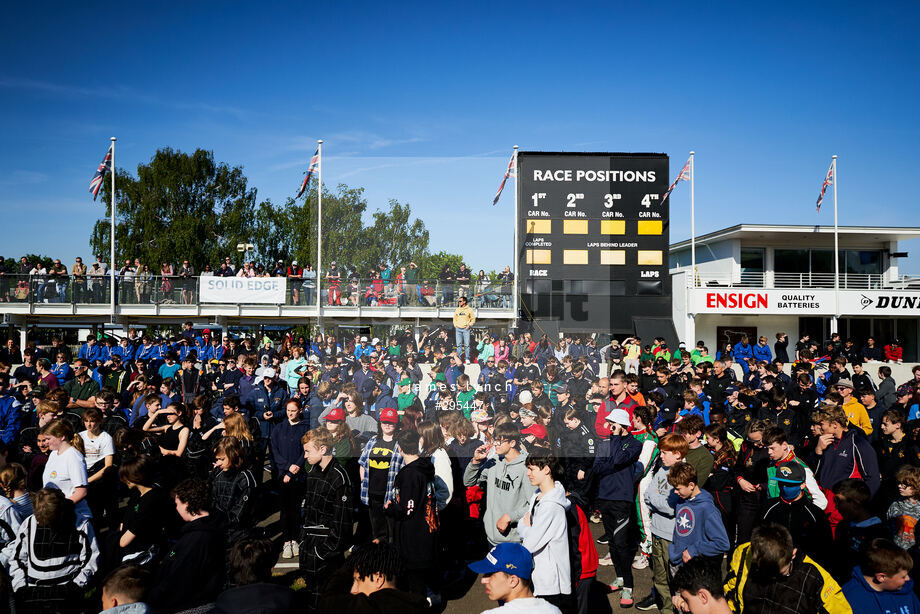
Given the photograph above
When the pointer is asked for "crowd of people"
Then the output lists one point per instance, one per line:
(143, 283)
(138, 470)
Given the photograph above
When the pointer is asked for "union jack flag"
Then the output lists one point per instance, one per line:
(829, 180)
(314, 164)
(508, 173)
(96, 184)
(684, 176)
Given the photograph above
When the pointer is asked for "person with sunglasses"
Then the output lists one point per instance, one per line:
(751, 471)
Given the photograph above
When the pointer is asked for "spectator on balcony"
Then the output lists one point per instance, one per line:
(59, 274)
(97, 282)
(385, 273)
(187, 282)
(333, 283)
(411, 279)
(309, 284)
(166, 283)
(77, 271)
(39, 278)
(230, 266)
(279, 270)
(506, 277)
(894, 352)
(207, 271)
(225, 270)
(426, 294)
(463, 280)
(447, 285)
(143, 284)
(295, 274)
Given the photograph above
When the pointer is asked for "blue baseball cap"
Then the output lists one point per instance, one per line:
(510, 558)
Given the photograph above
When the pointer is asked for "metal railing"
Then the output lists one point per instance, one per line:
(848, 281)
(145, 289)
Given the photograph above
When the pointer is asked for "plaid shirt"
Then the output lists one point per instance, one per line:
(326, 513)
(396, 463)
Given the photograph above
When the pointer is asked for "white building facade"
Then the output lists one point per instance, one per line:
(764, 279)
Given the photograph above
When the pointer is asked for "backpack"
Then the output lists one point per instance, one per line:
(582, 551)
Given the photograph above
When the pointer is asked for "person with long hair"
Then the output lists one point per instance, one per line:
(99, 455)
(232, 487)
(201, 424)
(288, 454)
(344, 447)
(13, 480)
(432, 445)
(721, 483)
(55, 554)
(66, 467)
(378, 464)
(141, 532)
(172, 438)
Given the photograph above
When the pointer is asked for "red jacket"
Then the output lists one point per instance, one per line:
(894, 353)
(601, 426)
(586, 548)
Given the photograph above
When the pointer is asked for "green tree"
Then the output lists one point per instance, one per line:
(432, 264)
(288, 232)
(178, 206)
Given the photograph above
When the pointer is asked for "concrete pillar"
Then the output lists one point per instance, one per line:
(23, 336)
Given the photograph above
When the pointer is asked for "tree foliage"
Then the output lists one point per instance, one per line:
(432, 265)
(288, 232)
(190, 206)
(178, 206)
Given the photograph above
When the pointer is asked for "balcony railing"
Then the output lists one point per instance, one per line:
(160, 290)
(848, 281)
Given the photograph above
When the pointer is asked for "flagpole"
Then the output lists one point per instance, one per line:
(319, 235)
(692, 226)
(112, 240)
(516, 259)
(836, 257)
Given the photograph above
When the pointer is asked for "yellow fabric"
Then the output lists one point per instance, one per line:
(464, 317)
(858, 415)
(831, 595)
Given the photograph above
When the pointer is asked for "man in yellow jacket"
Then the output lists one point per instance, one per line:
(855, 410)
(464, 318)
(769, 575)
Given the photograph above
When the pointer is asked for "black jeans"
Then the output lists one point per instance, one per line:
(618, 527)
(291, 498)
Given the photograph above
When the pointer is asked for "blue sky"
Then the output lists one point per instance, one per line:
(422, 102)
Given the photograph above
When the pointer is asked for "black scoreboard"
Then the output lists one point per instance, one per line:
(593, 239)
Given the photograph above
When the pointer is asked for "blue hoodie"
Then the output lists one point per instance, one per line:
(863, 598)
(698, 529)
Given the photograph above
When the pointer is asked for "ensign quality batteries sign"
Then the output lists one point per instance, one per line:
(593, 238)
(245, 290)
(805, 301)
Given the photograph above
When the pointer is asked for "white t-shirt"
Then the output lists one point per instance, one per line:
(532, 605)
(66, 472)
(98, 448)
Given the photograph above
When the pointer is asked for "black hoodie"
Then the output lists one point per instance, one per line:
(416, 513)
(192, 574)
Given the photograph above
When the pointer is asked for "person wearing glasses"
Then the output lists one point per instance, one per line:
(82, 388)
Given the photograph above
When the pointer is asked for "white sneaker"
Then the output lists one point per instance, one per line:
(640, 562)
(605, 560)
(287, 552)
(295, 549)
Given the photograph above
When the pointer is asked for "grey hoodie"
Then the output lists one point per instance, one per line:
(547, 538)
(508, 491)
(661, 500)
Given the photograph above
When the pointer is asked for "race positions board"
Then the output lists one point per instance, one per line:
(593, 239)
